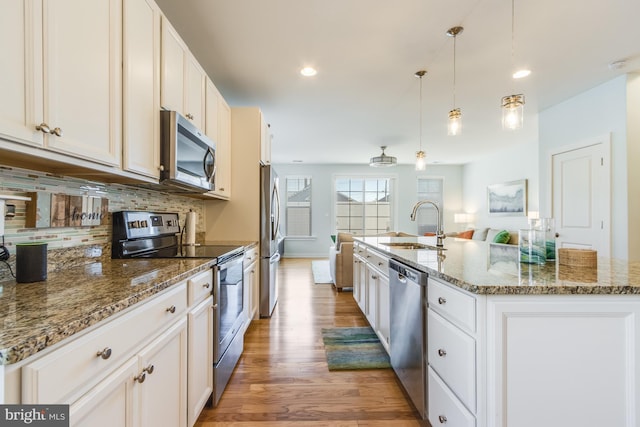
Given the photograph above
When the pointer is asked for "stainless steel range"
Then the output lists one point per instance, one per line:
(157, 235)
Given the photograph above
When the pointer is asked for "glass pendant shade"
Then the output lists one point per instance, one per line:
(421, 161)
(454, 126)
(512, 112)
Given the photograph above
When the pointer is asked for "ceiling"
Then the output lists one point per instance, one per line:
(365, 94)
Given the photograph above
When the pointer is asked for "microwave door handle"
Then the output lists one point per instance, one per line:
(210, 176)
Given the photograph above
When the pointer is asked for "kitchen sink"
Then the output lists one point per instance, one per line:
(412, 246)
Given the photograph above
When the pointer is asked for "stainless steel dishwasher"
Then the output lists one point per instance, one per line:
(408, 340)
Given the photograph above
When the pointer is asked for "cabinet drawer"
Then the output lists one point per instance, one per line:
(200, 286)
(444, 408)
(250, 255)
(452, 354)
(78, 365)
(378, 261)
(454, 305)
(359, 249)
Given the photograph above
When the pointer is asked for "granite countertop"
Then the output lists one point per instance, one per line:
(37, 315)
(493, 269)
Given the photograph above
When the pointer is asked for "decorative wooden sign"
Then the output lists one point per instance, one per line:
(47, 210)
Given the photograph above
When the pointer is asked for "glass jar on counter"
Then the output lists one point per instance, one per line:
(532, 246)
(547, 225)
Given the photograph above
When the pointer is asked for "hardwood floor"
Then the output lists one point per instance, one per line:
(282, 378)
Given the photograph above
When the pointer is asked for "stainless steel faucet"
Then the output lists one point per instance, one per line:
(439, 233)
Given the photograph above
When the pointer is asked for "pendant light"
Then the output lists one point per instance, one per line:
(421, 157)
(454, 125)
(383, 160)
(512, 105)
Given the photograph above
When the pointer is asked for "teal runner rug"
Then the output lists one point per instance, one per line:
(354, 348)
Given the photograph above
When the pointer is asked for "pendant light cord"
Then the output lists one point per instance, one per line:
(420, 113)
(454, 71)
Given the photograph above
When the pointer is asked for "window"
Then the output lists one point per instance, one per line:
(429, 189)
(298, 209)
(363, 205)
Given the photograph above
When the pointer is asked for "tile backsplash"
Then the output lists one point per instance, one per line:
(16, 181)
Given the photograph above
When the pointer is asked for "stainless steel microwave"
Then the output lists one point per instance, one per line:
(187, 155)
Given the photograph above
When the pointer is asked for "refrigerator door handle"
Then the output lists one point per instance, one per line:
(275, 219)
(274, 258)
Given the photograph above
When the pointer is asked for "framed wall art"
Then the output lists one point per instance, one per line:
(508, 199)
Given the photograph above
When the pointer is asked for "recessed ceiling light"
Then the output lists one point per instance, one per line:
(308, 71)
(521, 74)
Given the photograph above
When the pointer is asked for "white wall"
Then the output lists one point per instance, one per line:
(516, 163)
(591, 114)
(406, 187)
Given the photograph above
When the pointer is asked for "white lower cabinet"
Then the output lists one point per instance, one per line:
(151, 366)
(251, 297)
(444, 408)
(371, 290)
(162, 376)
(200, 354)
(113, 402)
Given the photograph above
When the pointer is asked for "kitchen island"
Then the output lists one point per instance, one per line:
(521, 345)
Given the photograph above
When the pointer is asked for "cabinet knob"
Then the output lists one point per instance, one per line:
(206, 286)
(442, 300)
(442, 419)
(442, 352)
(161, 168)
(56, 132)
(374, 277)
(221, 189)
(149, 369)
(172, 309)
(140, 378)
(105, 354)
(381, 264)
(189, 116)
(43, 127)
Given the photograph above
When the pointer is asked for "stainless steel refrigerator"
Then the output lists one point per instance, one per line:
(269, 239)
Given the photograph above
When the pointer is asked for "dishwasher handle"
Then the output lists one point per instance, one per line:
(406, 273)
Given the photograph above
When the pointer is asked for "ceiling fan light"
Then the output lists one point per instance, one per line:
(454, 126)
(520, 74)
(383, 160)
(512, 112)
(421, 161)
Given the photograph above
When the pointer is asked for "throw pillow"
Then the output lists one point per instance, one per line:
(465, 234)
(502, 237)
(480, 234)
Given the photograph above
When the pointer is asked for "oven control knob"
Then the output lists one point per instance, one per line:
(134, 224)
(144, 224)
(169, 223)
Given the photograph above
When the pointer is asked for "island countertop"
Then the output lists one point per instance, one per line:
(40, 314)
(493, 269)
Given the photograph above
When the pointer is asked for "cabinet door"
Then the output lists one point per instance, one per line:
(141, 87)
(172, 69)
(372, 294)
(384, 305)
(21, 65)
(200, 365)
(113, 402)
(194, 91)
(362, 301)
(211, 111)
(223, 150)
(265, 143)
(163, 398)
(357, 290)
(83, 78)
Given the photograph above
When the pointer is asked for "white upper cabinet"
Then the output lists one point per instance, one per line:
(218, 128)
(21, 65)
(194, 92)
(265, 144)
(62, 76)
(183, 79)
(82, 78)
(141, 87)
(173, 56)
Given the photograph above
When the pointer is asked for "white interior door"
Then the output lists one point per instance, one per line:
(581, 203)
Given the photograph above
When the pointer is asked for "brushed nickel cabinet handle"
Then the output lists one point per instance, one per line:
(442, 419)
(149, 369)
(221, 189)
(43, 127)
(442, 352)
(206, 286)
(381, 264)
(442, 300)
(172, 309)
(140, 378)
(56, 132)
(189, 116)
(105, 353)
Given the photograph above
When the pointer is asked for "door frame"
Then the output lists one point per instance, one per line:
(605, 140)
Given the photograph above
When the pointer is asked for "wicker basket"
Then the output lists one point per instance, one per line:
(578, 257)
